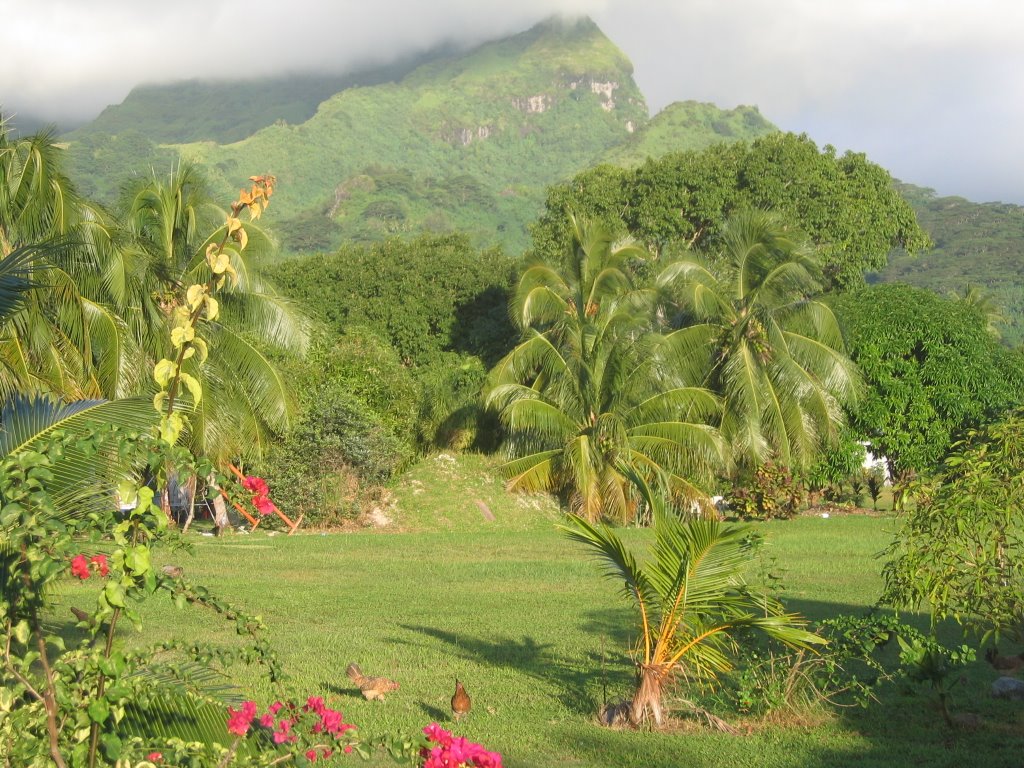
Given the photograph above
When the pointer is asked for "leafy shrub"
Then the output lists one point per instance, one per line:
(961, 548)
(423, 296)
(836, 465)
(863, 653)
(362, 364)
(357, 428)
(451, 413)
(330, 465)
(772, 492)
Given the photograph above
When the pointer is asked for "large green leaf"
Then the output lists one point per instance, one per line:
(80, 478)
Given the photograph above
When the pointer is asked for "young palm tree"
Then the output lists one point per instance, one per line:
(691, 598)
(761, 341)
(582, 394)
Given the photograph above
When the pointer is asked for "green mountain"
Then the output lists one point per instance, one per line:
(980, 244)
(227, 111)
(466, 141)
(687, 125)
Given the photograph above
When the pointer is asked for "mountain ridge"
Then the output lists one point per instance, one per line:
(467, 140)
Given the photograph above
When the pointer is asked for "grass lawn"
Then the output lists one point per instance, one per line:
(521, 616)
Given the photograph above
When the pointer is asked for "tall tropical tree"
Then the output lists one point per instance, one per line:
(753, 332)
(583, 396)
(167, 225)
(691, 598)
(61, 340)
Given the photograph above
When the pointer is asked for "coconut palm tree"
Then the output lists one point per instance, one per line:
(167, 224)
(753, 332)
(690, 595)
(582, 395)
(61, 340)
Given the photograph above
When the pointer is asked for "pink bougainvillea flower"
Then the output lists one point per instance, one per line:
(275, 707)
(80, 567)
(311, 755)
(315, 704)
(155, 757)
(100, 561)
(257, 485)
(240, 720)
(267, 721)
(455, 751)
(263, 504)
(284, 734)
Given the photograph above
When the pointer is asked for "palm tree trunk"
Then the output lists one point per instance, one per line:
(190, 487)
(648, 696)
(220, 509)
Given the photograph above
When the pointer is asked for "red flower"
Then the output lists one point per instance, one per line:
(239, 720)
(257, 485)
(155, 757)
(263, 504)
(100, 561)
(311, 755)
(284, 734)
(80, 567)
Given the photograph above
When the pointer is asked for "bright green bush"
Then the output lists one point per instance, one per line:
(356, 429)
(451, 413)
(423, 296)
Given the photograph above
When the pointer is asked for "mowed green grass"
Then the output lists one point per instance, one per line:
(521, 616)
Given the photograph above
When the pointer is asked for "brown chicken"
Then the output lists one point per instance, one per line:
(371, 687)
(1010, 665)
(461, 703)
(83, 617)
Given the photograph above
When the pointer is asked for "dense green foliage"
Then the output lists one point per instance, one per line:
(932, 371)
(845, 204)
(976, 244)
(960, 550)
(423, 295)
(356, 428)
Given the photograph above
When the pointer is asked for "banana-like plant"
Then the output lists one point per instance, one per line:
(691, 598)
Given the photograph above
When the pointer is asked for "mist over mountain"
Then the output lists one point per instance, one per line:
(451, 140)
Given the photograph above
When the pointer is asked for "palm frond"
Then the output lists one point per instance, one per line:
(79, 479)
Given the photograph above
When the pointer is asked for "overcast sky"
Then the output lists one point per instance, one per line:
(931, 89)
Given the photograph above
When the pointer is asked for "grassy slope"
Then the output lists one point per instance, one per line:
(521, 615)
(975, 243)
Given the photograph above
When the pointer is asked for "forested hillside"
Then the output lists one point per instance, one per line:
(980, 244)
(471, 141)
(687, 125)
(466, 141)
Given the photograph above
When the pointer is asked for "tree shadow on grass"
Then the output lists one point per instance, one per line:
(578, 680)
